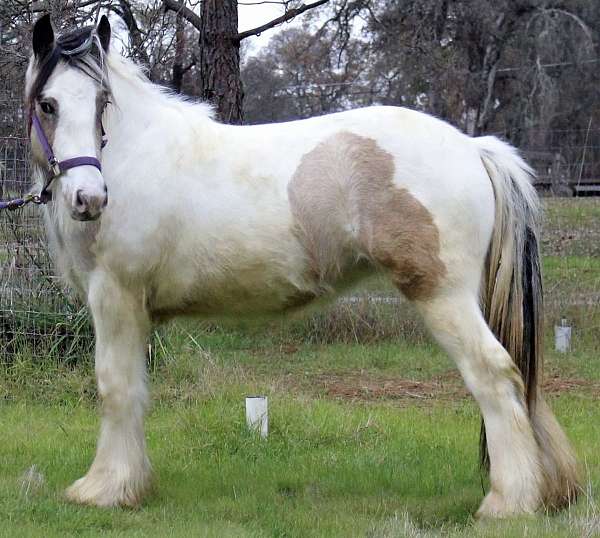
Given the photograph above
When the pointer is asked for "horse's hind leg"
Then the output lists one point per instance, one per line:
(455, 319)
(120, 473)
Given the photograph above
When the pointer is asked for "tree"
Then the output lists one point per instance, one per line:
(300, 75)
(523, 68)
(219, 40)
(480, 63)
(159, 39)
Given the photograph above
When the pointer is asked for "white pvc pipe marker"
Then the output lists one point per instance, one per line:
(257, 414)
(562, 337)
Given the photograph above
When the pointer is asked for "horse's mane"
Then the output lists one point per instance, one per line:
(135, 76)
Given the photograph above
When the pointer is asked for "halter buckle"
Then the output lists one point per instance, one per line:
(33, 198)
(54, 166)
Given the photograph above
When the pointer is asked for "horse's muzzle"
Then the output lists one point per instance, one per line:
(88, 207)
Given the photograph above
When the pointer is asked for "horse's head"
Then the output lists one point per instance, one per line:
(66, 93)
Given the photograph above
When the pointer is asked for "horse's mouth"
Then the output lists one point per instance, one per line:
(86, 216)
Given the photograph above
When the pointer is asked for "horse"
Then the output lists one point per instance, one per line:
(182, 215)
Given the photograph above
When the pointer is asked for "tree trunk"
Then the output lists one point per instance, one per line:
(137, 38)
(178, 71)
(220, 79)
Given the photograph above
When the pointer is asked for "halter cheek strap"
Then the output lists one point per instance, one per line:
(58, 167)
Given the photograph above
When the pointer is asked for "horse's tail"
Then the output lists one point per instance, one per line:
(512, 291)
(512, 305)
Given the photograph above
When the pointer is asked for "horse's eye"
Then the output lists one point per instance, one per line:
(47, 108)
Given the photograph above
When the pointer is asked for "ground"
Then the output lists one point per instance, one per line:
(371, 430)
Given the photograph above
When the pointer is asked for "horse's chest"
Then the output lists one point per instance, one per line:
(71, 246)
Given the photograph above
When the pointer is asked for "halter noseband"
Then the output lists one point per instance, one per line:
(56, 167)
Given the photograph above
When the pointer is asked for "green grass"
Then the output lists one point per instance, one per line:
(571, 227)
(583, 269)
(331, 466)
(581, 213)
(327, 469)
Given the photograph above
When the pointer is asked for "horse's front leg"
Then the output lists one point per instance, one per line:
(120, 473)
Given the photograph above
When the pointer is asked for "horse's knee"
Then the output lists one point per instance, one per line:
(119, 393)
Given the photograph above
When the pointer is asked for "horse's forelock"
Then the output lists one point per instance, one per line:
(73, 39)
(90, 60)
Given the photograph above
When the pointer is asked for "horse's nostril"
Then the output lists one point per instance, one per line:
(80, 200)
(89, 205)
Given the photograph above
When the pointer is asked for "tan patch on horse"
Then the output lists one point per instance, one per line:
(346, 207)
(49, 127)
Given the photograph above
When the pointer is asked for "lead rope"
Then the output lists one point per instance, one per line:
(17, 203)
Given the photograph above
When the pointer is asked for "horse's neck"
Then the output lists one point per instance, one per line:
(133, 110)
(140, 105)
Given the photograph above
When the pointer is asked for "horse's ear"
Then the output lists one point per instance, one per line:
(43, 36)
(104, 32)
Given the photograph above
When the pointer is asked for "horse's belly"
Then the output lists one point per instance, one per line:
(243, 285)
(225, 299)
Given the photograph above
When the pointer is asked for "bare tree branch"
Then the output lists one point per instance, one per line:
(195, 21)
(125, 11)
(570, 15)
(287, 16)
(259, 2)
(42, 7)
(184, 11)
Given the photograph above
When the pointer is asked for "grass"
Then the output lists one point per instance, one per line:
(581, 213)
(372, 433)
(571, 227)
(327, 469)
(582, 269)
(367, 465)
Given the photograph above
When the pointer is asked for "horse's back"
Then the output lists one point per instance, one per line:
(429, 158)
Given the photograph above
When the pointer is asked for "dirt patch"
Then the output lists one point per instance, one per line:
(443, 388)
(558, 385)
(371, 388)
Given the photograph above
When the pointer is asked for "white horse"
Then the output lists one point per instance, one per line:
(210, 219)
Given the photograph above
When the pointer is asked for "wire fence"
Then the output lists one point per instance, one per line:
(38, 315)
(41, 318)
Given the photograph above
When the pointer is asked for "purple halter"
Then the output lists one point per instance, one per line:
(57, 168)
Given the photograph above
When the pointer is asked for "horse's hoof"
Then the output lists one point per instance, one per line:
(495, 506)
(95, 489)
